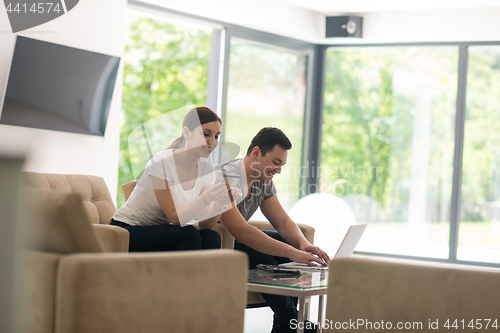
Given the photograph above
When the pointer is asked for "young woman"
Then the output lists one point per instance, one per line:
(177, 186)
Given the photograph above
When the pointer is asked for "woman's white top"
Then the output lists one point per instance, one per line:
(142, 207)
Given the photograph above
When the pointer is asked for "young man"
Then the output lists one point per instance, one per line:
(266, 155)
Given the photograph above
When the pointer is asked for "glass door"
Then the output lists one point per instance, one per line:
(267, 87)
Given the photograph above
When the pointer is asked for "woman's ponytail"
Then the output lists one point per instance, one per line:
(177, 143)
(195, 117)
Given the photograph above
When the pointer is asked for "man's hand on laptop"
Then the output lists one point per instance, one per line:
(307, 258)
(317, 251)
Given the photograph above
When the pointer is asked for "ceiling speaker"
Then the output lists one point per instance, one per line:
(344, 26)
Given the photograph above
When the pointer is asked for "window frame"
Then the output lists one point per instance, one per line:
(463, 57)
(316, 64)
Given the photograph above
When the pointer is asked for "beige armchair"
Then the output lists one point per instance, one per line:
(414, 295)
(72, 286)
(96, 200)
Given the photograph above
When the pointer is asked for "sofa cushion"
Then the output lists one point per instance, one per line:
(59, 223)
(92, 189)
(375, 290)
(37, 295)
(180, 291)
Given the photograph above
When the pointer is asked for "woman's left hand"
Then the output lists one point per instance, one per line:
(214, 192)
(232, 195)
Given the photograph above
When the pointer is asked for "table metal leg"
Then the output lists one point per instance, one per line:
(307, 307)
(300, 319)
(320, 313)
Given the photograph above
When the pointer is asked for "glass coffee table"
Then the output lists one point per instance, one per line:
(294, 285)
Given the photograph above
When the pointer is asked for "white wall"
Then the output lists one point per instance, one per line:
(92, 25)
(272, 16)
(439, 25)
(482, 24)
(289, 20)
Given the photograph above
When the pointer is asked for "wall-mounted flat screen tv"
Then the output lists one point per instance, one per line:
(59, 88)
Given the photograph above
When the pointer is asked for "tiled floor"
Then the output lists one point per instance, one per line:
(260, 320)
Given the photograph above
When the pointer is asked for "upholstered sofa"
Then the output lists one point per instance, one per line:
(378, 295)
(100, 208)
(73, 285)
(96, 201)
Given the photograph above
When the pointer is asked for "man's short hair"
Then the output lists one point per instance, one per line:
(267, 138)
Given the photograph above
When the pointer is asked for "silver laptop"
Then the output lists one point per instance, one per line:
(351, 239)
(346, 248)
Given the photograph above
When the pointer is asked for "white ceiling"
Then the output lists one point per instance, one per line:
(365, 6)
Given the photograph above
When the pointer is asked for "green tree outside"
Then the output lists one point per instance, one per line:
(165, 68)
(371, 105)
(266, 87)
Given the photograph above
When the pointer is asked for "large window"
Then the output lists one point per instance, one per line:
(388, 147)
(267, 87)
(166, 68)
(387, 143)
(479, 228)
(404, 151)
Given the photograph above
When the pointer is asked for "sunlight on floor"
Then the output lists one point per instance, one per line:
(260, 320)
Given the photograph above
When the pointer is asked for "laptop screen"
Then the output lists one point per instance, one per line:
(350, 241)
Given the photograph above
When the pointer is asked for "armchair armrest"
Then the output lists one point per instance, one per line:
(185, 291)
(37, 301)
(111, 237)
(262, 225)
(226, 238)
(127, 188)
(402, 292)
(307, 230)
